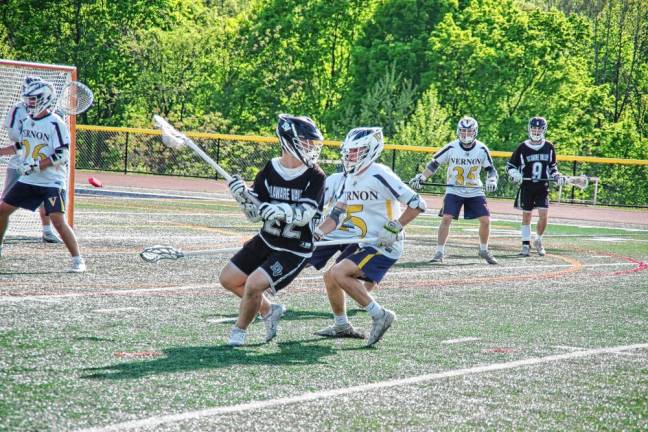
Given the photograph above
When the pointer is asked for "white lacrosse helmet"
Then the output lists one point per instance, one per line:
(38, 96)
(467, 130)
(361, 147)
(28, 80)
(537, 128)
(300, 137)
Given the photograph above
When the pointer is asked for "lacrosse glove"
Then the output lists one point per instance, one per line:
(273, 212)
(561, 180)
(491, 184)
(515, 176)
(390, 233)
(28, 168)
(417, 182)
(237, 188)
(251, 212)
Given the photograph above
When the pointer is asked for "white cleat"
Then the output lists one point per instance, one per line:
(78, 266)
(490, 259)
(271, 321)
(526, 251)
(380, 326)
(237, 337)
(50, 237)
(538, 246)
(438, 257)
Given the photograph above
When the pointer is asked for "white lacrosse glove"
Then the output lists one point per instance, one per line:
(237, 188)
(28, 168)
(561, 180)
(417, 182)
(515, 176)
(251, 212)
(491, 184)
(272, 212)
(390, 233)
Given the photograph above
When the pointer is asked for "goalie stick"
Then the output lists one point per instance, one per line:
(171, 137)
(160, 252)
(75, 98)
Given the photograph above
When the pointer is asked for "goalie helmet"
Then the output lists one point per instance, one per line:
(361, 147)
(537, 128)
(38, 96)
(467, 130)
(28, 80)
(300, 137)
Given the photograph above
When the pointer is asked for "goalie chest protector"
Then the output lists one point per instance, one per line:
(276, 185)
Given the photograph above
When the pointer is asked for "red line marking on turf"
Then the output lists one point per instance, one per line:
(641, 266)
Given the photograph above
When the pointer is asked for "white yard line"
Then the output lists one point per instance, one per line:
(460, 340)
(440, 269)
(119, 309)
(307, 397)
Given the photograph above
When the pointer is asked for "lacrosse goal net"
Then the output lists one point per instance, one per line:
(12, 76)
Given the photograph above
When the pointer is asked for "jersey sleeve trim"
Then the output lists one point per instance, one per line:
(382, 180)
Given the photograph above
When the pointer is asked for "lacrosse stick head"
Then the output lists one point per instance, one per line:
(580, 181)
(171, 137)
(158, 252)
(75, 98)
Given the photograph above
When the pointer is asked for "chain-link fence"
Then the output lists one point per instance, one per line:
(619, 182)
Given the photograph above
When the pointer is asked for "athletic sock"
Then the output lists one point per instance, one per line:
(539, 237)
(77, 259)
(525, 232)
(483, 246)
(341, 320)
(47, 229)
(374, 309)
(440, 248)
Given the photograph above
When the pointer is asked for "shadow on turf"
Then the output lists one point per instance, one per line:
(184, 359)
(290, 315)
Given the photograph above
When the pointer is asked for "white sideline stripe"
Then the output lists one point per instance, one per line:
(439, 270)
(102, 293)
(307, 397)
(459, 340)
(568, 348)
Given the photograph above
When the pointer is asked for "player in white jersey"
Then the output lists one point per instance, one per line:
(14, 119)
(43, 143)
(371, 201)
(465, 157)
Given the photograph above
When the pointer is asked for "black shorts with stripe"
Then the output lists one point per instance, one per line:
(532, 195)
(281, 267)
(30, 197)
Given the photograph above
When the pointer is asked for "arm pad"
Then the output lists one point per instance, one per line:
(433, 166)
(492, 172)
(336, 214)
(61, 156)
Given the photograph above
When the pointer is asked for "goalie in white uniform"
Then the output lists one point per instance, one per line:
(371, 200)
(43, 144)
(13, 122)
(465, 157)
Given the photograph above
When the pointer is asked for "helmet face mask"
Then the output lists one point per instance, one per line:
(537, 128)
(300, 137)
(361, 147)
(467, 130)
(38, 96)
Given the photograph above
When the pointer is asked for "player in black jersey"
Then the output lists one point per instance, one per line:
(533, 166)
(290, 189)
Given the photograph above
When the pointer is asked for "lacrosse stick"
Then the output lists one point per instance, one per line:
(580, 181)
(171, 137)
(159, 252)
(75, 98)
(451, 185)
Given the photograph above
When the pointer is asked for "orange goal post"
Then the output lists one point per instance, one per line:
(12, 76)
